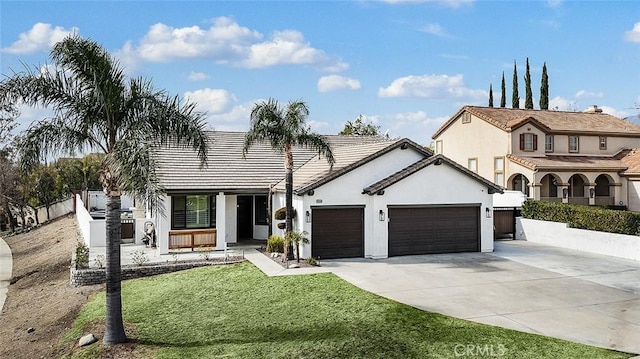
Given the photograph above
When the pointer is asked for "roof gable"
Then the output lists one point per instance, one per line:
(317, 172)
(436, 160)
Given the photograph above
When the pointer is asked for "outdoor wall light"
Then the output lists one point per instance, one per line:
(381, 215)
(487, 212)
(311, 193)
(308, 216)
(565, 192)
(592, 192)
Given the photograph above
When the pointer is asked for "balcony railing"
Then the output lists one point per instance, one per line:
(194, 238)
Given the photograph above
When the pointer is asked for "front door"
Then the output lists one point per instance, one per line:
(245, 217)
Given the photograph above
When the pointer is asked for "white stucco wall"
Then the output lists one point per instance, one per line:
(433, 185)
(560, 235)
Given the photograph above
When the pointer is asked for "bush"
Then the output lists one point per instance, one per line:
(275, 244)
(583, 217)
(312, 261)
(81, 259)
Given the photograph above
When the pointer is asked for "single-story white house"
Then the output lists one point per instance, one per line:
(381, 198)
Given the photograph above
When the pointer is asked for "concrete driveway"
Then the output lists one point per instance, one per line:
(560, 293)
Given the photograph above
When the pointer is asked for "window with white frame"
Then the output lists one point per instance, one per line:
(438, 147)
(472, 164)
(193, 211)
(548, 143)
(574, 144)
(528, 142)
(498, 171)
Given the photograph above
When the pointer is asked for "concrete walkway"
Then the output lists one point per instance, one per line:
(6, 266)
(560, 293)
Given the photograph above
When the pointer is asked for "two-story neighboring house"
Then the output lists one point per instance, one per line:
(574, 157)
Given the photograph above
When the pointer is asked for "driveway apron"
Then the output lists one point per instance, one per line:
(566, 294)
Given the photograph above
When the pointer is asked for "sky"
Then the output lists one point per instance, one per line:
(404, 65)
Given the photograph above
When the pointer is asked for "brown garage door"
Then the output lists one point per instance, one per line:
(337, 233)
(427, 230)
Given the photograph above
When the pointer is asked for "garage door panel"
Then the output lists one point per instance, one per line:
(426, 230)
(337, 233)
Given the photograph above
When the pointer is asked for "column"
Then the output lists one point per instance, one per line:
(221, 221)
(591, 193)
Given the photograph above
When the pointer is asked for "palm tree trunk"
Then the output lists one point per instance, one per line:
(288, 154)
(114, 328)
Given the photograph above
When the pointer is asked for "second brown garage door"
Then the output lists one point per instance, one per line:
(428, 230)
(337, 232)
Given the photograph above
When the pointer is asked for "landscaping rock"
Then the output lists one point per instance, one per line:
(295, 265)
(31, 330)
(274, 255)
(87, 340)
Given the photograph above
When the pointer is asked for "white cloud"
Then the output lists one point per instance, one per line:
(289, 47)
(319, 126)
(438, 87)
(213, 101)
(633, 35)
(454, 57)
(449, 3)
(197, 76)
(436, 30)
(41, 37)
(562, 104)
(612, 111)
(336, 82)
(554, 3)
(226, 42)
(589, 94)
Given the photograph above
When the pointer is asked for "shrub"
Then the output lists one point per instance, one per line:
(312, 261)
(583, 217)
(82, 256)
(275, 244)
(139, 257)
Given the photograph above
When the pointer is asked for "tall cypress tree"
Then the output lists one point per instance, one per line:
(528, 102)
(515, 98)
(503, 96)
(490, 95)
(544, 89)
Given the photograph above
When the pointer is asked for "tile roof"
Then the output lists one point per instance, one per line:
(317, 171)
(631, 159)
(509, 119)
(435, 160)
(226, 170)
(583, 163)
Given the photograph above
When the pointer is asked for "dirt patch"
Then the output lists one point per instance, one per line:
(40, 296)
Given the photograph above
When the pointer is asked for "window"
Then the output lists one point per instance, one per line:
(473, 164)
(439, 147)
(574, 144)
(498, 171)
(548, 143)
(261, 210)
(528, 142)
(466, 117)
(603, 143)
(193, 211)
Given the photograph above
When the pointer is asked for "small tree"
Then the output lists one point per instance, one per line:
(295, 238)
(544, 89)
(515, 98)
(503, 95)
(45, 187)
(528, 102)
(490, 95)
(360, 128)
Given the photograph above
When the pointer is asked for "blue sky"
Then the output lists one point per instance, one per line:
(406, 66)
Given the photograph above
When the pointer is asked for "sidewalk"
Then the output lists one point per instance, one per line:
(6, 265)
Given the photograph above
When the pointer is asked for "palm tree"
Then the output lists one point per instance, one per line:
(98, 109)
(284, 128)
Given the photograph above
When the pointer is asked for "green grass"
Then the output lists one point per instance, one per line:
(236, 311)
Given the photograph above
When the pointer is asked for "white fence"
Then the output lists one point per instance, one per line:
(560, 235)
(94, 231)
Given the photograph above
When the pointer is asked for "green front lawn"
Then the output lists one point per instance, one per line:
(236, 311)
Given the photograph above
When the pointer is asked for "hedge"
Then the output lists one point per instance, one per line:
(583, 217)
